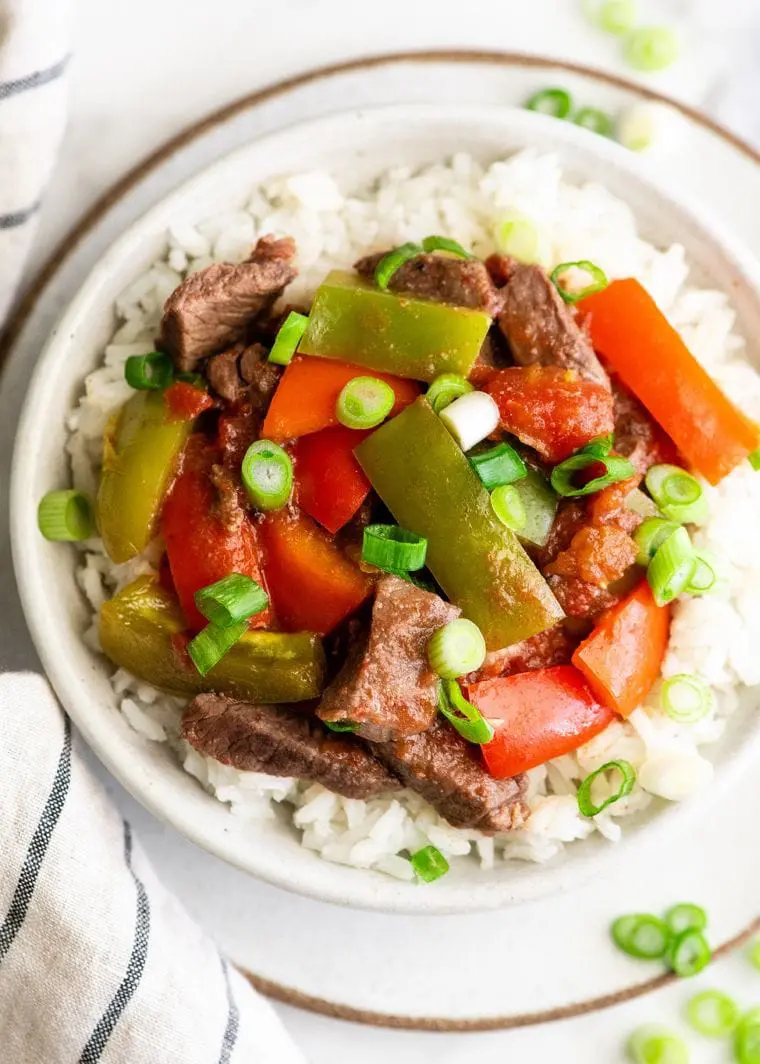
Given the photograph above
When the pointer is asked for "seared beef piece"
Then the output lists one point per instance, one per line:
(282, 742)
(386, 685)
(262, 378)
(441, 278)
(447, 771)
(571, 517)
(230, 373)
(213, 308)
(637, 435)
(493, 355)
(501, 268)
(555, 646)
(241, 422)
(540, 328)
(579, 599)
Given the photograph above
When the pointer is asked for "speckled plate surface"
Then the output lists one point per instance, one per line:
(407, 971)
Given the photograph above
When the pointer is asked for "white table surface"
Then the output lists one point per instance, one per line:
(143, 69)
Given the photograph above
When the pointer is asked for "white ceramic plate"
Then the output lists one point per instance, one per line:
(355, 146)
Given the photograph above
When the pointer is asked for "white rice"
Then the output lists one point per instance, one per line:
(714, 637)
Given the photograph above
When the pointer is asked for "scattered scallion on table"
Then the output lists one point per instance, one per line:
(651, 49)
(364, 403)
(587, 804)
(267, 473)
(498, 465)
(641, 935)
(393, 548)
(65, 516)
(598, 280)
(210, 645)
(456, 649)
(595, 120)
(232, 599)
(391, 262)
(688, 953)
(555, 102)
(747, 1038)
(462, 715)
(429, 864)
(445, 389)
(686, 698)
(612, 16)
(753, 954)
(653, 1044)
(152, 372)
(288, 338)
(445, 243)
(670, 570)
(685, 916)
(713, 1013)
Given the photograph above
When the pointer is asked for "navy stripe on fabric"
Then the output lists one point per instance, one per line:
(104, 1028)
(34, 80)
(35, 855)
(17, 218)
(233, 1019)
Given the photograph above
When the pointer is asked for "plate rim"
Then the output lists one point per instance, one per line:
(81, 228)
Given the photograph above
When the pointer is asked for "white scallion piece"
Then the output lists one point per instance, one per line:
(471, 418)
(675, 776)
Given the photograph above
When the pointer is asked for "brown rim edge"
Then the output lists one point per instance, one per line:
(299, 1000)
(87, 223)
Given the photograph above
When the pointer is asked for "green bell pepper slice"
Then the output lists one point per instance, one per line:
(138, 629)
(540, 502)
(424, 478)
(141, 451)
(353, 321)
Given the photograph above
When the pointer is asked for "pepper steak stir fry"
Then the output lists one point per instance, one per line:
(423, 535)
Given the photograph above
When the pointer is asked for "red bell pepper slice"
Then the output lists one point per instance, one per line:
(206, 537)
(622, 657)
(330, 485)
(537, 716)
(633, 335)
(312, 584)
(551, 409)
(308, 391)
(185, 401)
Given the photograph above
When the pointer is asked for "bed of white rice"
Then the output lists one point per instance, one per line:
(714, 637)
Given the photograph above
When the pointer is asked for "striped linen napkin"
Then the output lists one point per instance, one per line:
(98, 961)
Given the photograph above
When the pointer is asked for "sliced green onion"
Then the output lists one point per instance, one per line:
(594, 120)
(564, 474)
(597, 275)
(471, 418)
(689, 953)
(288, 338)
(613, 16)
(678, 494)
(600, 447)
(747, 1038)
(669, 571)
(638, 126)
(540, 504)
(554, 102)
(429, 864)
(267, 474)
(507, 504)
(456, 649)
(445, 243)
(651, 48)
(364, 402)
(231, 600)
(653, 1044)
(149, 372)
(650, 535)
(445, 389)
(686, 917)
(518, 237)
(341, 725)
(754, 459)
(391, 262)
(462, 715)
(704, 578)
(686, 698)
(641, 935)
(65, 516)
(499, 465)
(210, 645)
(393, 548)
(753, 954)
(713, 1013)
(586, 803)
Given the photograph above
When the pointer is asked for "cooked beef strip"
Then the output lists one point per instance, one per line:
(448, 771)
(441, 278)
(212, 309)
(241, 422)
(541, 329)
(282, 742)
(501, 268)
(231, 372)
(555, 646)
(386, 685)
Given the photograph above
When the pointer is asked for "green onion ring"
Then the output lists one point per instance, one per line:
(456, 649)
(554, 102)
(704, 578)
(288, 338)
(391, 262)
(340, 726)
(650, 535)
(211, 644)
(507, 504)
(364, 402)
(445, 243)
(586, 804)
(654, 1044)
(462, 715)
(686, 698)
(713, 1013)
(152, 372)
(594, 120)
(598, 280)
(445, 389)
(641, 935)
(232, 599)
(747, 1038)
(65, 516)
(651, 48)
(685, 916)
(670, 570)
(429, 864)
(498, 465)
(753, 954)
(688, 953)
(393, 548)
(562, 478)
(267, 474)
